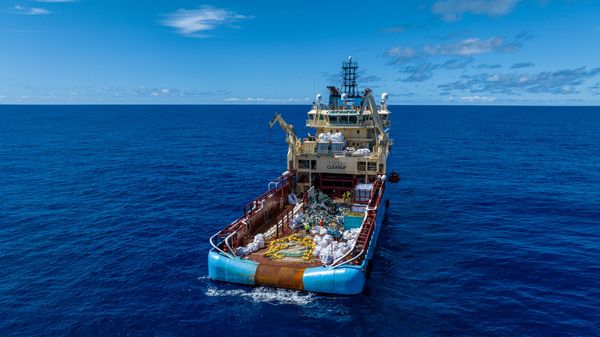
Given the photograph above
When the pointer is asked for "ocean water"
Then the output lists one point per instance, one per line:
(106, 211)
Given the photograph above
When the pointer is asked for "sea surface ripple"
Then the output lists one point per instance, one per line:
(106, 211)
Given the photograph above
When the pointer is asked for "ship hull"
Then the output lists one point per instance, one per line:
(342, 280)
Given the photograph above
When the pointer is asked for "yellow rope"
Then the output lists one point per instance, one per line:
(276, 246)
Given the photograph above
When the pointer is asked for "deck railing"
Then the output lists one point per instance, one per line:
(232, 235)
(357, 253)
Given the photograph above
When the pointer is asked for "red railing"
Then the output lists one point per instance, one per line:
(283, 223)
(247, 222)
(366, 233)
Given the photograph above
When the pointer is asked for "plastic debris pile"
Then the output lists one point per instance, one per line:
(258, 243)
(291, 246)
(321, 210)
(327, 249)
(336, 137)
(326, 238)
(297, 221)
(361, 153)
(326, 222)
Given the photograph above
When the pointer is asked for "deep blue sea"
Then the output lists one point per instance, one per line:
(106, 211)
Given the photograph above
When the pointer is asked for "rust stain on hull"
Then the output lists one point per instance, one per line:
(279, 276)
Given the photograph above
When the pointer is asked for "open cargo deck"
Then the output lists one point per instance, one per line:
(330, 256)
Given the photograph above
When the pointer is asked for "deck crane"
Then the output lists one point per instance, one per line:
(368, 99)
(291, 138)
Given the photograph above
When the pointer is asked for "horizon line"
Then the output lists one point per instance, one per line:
(271, 104)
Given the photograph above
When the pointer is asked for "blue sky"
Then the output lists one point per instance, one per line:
(539, 52)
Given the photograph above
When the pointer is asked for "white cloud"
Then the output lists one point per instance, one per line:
(463, 48)
(30, 10)
(453, 10)
(195, 22)
(477, 99)
(472, 46)
(287, 100)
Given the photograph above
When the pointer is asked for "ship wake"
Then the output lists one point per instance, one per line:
(265, 295)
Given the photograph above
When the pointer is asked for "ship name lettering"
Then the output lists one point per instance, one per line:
(336, 165)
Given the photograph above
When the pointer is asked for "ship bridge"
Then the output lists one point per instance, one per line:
(350, 143)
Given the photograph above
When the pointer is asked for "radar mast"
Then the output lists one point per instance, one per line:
(349, 75)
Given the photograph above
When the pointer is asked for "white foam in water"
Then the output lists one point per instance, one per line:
(268, 295)
(214, 292)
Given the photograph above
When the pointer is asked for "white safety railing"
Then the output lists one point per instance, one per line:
(216, 247)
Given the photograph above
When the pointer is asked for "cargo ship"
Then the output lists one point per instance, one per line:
(316, 226)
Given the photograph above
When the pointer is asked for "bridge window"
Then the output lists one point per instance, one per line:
(361, 166)
(303, 164)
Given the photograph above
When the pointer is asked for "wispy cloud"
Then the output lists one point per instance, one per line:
(457, 63)
(524, 35)
(520, 65)
(286, 100)
(42, 93)
(365, 78)
(197, 22)
(419, 72)
(370, 79)
(463, 48)
(473, 46)
(453, 10)
(157, 92)
(488, 66)
(401, 55)
(477, 99)
(30, 10)
(420, 62)
(423, 71)
(566, 81)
